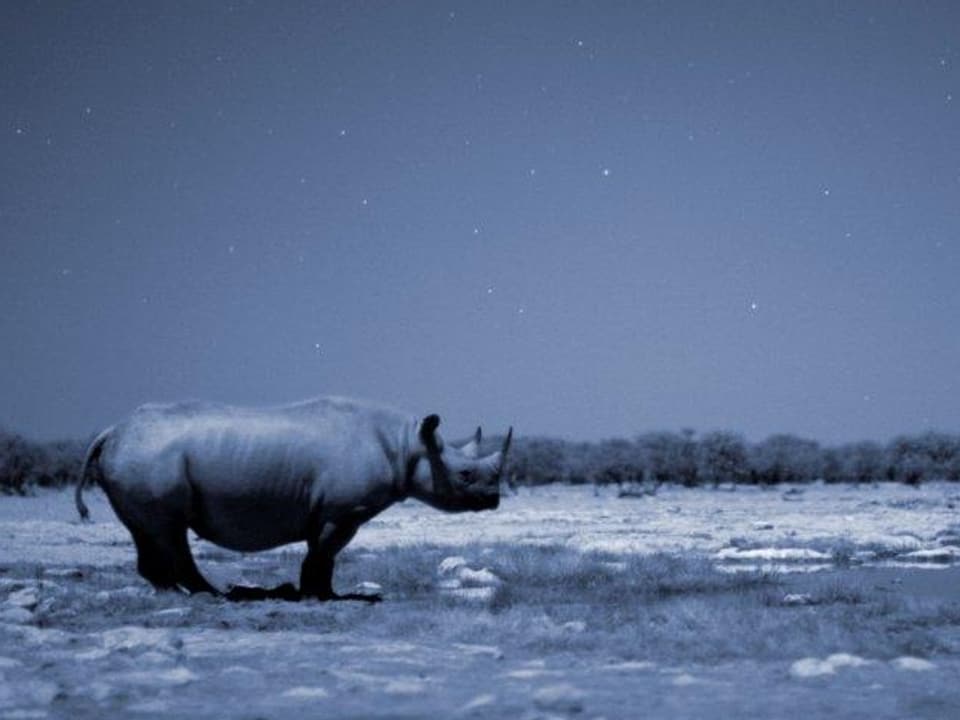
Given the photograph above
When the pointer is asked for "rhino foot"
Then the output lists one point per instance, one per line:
(371, 598)
(242, 593)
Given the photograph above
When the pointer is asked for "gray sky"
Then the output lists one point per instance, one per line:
(587, 220)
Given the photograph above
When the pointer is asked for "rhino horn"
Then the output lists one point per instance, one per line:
(472, 447)
(504, 450)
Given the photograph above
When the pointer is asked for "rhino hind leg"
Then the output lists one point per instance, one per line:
(153, 564)
(316, 573)
(165, 561)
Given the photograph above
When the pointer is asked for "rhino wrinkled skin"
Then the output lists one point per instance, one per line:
(253, 479)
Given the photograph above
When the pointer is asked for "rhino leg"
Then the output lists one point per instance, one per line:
(316, 573)
(165, 561)
(152, 563)
(188, 575)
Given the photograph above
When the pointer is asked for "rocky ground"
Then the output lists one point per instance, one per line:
(561, 603)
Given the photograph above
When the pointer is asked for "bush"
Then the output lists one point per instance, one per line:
(25, 465)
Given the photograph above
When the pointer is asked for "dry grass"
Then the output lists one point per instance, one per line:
(671, 609)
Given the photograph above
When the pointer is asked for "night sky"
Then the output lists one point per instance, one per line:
(588, 220)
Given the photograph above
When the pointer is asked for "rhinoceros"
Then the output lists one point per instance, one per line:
(253, 479)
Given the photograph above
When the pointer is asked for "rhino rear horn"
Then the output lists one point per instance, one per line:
(471, 448)
(428, 429)
(505, 449)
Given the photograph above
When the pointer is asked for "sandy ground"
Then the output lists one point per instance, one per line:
(82, 636)
(915, 525)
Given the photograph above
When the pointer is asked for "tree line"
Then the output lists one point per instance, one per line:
(721, 457)
(648, 460)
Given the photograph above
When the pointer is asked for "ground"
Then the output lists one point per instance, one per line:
(816, 602)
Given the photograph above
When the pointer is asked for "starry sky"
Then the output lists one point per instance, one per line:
(584, 219)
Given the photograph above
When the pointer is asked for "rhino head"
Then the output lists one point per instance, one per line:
(455, 478)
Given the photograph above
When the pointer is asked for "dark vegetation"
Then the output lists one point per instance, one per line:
(25, 465)
(686, 458)
(641, 464)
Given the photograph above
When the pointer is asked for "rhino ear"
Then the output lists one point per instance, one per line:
(428, 430)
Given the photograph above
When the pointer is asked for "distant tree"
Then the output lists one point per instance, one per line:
(941, 455)
(721, 457)
(25, 465)
(617, 462)
(908, 460)
(537, 461)
(861, 462)
(785, 458)
(669, 457)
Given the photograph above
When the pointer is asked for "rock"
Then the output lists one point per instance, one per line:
(174, 676)
(847, 660)
(449, 564)
(478, 578)
(72, 573)
(798, 599)
(304, 692)
(172, 612)
(762, 525)
(25, 598)
(560, 698)
(773, 554)
(40, 692)
(474, 594)
(407, 686)
(810, 667)
(477, 703)
(574, 626)
(488, 650)
(150, 707)
(459, 580)
(17, 615)
(814, 667)
(913, 664)
(945, 554)
(630, 666)
(100, 691)
(529, 673)
(368, 586)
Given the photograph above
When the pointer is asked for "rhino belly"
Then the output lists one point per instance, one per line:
(247, 516)
(249, 525)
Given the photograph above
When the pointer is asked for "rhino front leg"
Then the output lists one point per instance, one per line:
(316, 573)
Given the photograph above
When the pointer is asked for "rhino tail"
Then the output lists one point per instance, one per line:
(90, 469)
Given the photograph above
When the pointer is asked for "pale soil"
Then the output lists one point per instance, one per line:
(82, 636)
